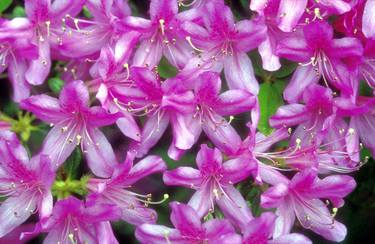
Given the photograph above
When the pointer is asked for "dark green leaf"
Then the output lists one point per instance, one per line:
(55, 84)
(286, 69)
(166, 70)
(18, 11)
(71, 166)
(4, 4)
(86, 12)
(270, 98)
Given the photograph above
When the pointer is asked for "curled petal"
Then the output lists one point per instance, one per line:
(98, 152)
(185, 219)
(368, 20)
(183, 176)
(240, 74)
(44, 107)
(39, 68)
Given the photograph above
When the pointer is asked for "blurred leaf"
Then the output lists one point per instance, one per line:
(11, 108)
(18, 11)
(55, 84)
(4, 4)
(270, 98)
(286, 69)
(71, 166)
(365, 89)
(166, 70)
(86, 12)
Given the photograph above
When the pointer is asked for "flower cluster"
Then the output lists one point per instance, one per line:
(109, 59)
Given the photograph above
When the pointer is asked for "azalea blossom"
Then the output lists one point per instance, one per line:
(74, 123)
(300, 197)
(188, 229)
(74, 221)
(24, 182)
(224, 44)
(213, 182)
(320, 56)
(117, 189)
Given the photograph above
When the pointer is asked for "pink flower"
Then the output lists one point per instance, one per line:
(16, 51)
(164, 103)
(224, 44)
(259, 230)
(74, 123)
(300, 197)
(213, 182)
(161, 34)
(211, 107)
(188, 229)
(116, 191)
(49, 27)
(26, 184)
(74, 221)
(320, 55)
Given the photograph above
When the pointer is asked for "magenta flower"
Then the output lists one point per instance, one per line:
(322, 138)
(211, 107)
(319, 55)
(116, 191)
(300, 197)
(105, 29)
(314, 119)
(74, 123)
(224, 43)
(26, 184)
(15, 53)
(74, 221)
(368, 25)
(49, 27)
(213, 182)
(161, 35)
(260, 230)
(109, 74)
(188, 229)
(287, 20)
(163, 103)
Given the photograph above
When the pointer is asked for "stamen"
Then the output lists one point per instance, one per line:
(126, 66)
(162, 27)
(188, 39)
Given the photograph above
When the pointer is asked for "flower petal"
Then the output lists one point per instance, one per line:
(147, 166)
(368, 20)
(183, 176)
(44, 107)
(289, 19)
(239, 73)
(14, 211)
(59, 144)
(74, 96)
(234, 102)
(289, 115)
(302, 77)
(98, 153)
(153, 130)
(185, 219)
(16, 72)
(234, 207)
(158, 234)
(39, 68)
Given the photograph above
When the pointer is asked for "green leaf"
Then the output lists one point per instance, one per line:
(286, 69)
(166, 70)
(4, 4)
(86, 12)
(18, 11)
(270, 98)
(55, 84)
(71, 166)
